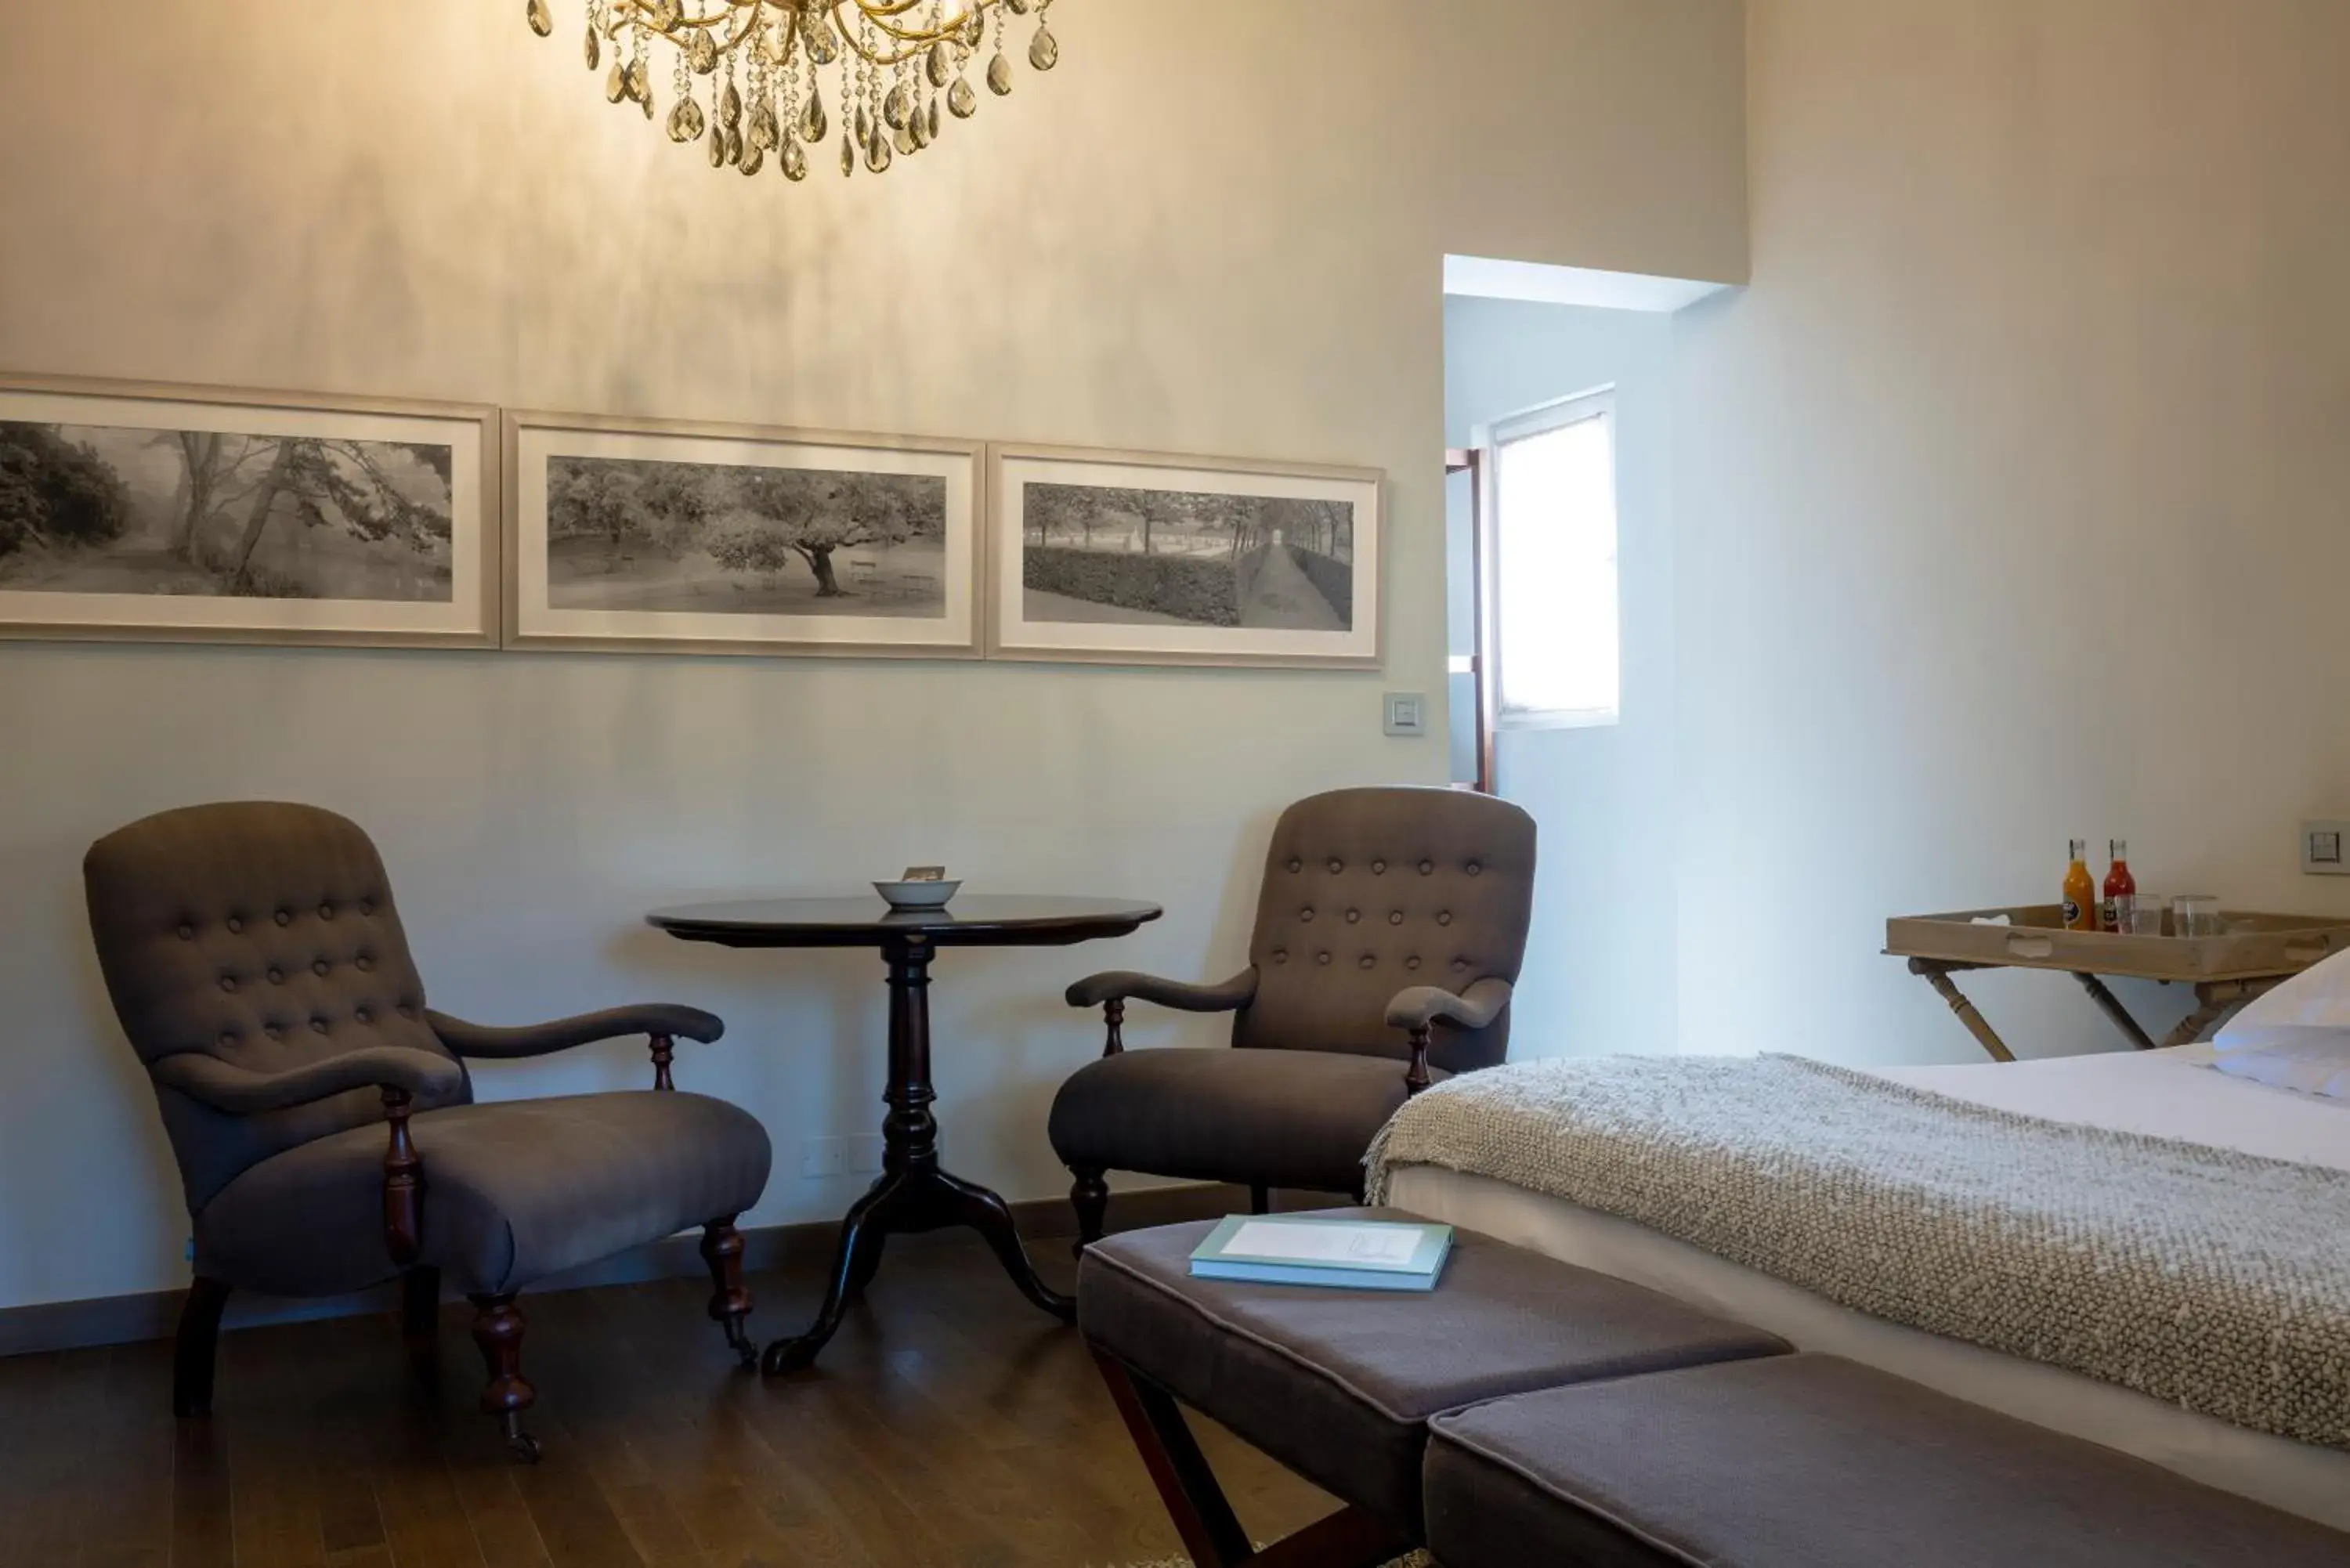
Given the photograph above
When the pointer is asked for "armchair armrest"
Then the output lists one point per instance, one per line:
(1113, 988)
(1121, 985)
(662, 1019)
(1475, 1008)
(1421, 1007)
(241, 1091)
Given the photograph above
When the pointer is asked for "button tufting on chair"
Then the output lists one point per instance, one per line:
(1443, 917)
(187, 932)
(319, 967)
(364, 963)
(1411, 962)
(1295, 864)
(1379, 868)
(228, 982)
(1472, 867)
(1321, 958)
(325, 911)
(1394, 917)
(1426, 868)
(1369, 961)
(277, 975)
(236, 926)
(285, 917)
(1307, 913)
(318, 1026)
(1353, 915)
(362, 1014)
(1336, 866)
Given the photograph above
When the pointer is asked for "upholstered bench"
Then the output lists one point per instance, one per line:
(1809, 1461)
(1339, 1385)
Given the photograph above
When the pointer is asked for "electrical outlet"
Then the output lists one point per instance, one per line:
(865, 1153)
(2325, 848)
(823, 1156)
(1406, 713)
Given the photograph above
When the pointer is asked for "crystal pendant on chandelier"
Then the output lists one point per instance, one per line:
(892, 63)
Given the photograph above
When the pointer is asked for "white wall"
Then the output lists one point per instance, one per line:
(2014, 496)
(1218, 228)
(1601, 972)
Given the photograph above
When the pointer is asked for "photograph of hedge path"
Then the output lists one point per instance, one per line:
(1142, 558)
(110, 509)
(730, 539)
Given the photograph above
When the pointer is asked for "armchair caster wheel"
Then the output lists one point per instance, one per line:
(521, 1445)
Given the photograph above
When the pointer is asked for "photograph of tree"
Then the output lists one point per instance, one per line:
(106, 509)
(136, 511)
(1134, 558)
(731, 539)
(1098, 553)
(627, 534)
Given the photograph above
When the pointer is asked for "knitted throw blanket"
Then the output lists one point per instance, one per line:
(2216, 1281)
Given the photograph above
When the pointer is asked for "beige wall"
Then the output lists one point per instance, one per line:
(2014, 496)
(1216, 228)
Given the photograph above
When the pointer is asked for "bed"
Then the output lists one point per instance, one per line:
(2172, 1094)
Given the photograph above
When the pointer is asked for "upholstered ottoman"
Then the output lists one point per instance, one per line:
(1809, 1461)
(1339, 1385)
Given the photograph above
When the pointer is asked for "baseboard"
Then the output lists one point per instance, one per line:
(153, 1314)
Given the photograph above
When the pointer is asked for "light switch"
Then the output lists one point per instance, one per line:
(2325, 848)
(1407, 714)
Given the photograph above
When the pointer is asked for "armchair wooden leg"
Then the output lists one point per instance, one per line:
(1089, 1195)
(420, 1322)
(497, 1329)
(192, 1362)
(729, 1304)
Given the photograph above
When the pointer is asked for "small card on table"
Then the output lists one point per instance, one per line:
(1300, 1249)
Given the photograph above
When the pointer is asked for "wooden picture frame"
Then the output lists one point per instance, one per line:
(145, 511)
(739, 539)
(1235, 590)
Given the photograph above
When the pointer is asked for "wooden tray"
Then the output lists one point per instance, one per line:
(2252, 946)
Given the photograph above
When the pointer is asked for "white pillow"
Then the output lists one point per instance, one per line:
(2307, 1017)
(2313, 1073)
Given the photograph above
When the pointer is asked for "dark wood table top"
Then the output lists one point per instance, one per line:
(977, 919)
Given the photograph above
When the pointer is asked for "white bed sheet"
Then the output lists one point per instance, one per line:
(2167, 1094)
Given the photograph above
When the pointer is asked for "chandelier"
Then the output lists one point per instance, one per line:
(747, 76)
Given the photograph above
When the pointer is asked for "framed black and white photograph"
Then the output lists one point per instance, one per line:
(1131, 559)
(638, 534)
(143, 510)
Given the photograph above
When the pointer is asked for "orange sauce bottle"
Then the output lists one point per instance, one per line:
(2119, 883)
(2080, 889)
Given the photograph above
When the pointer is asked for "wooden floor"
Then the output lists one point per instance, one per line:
(949, 1423)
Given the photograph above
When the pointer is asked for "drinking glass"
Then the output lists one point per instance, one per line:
(2195, 915)
(2139, 914)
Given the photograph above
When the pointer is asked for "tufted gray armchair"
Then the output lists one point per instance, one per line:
(1389, 930)
(323, 1116)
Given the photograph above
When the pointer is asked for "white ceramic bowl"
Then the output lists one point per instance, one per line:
(917, 895)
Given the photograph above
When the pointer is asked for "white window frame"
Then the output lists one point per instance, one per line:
(1597, 404)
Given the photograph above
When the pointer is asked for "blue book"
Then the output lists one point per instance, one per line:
(1302, 1249)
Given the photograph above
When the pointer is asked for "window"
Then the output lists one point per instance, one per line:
(1550, 592)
